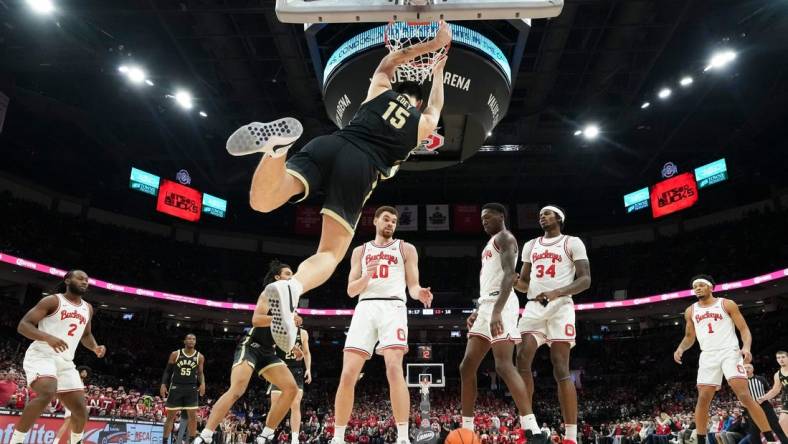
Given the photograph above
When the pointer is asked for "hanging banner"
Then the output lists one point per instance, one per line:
(467, 219)
(527, 216)
(367, 222)
(408, 218)
(437, 217)
(308, 220)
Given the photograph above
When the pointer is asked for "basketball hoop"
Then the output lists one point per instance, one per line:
(399, 35)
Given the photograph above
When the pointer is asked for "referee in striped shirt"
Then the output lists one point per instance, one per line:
(758, 386)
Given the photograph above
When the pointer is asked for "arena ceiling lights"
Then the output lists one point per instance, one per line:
(43, 7)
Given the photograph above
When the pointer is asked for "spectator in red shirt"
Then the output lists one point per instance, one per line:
(7, 387)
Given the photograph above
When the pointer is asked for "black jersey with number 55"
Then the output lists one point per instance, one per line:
(386, 128)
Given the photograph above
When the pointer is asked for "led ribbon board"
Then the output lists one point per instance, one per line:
(375, 38)
(711, 173)
(636, 200)
(179, 201)
(213, 205)
(144, 181)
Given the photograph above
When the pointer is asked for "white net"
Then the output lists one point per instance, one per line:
(404, 34)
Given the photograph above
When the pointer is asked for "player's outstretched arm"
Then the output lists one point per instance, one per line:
(741, 325)
(28, 324)
(356, 281)
(432, 113)
(411, 256)
(689, 336)
(381, 79)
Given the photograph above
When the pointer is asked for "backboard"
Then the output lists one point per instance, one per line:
(352, 11)
(420, 372)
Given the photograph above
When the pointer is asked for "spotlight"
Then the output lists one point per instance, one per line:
(721, 59)
(123, 68)
(686, 81)
(149, 82)
(184, 99)
(136, 74)
(578, 132)
(645, 105)
(664, 93)
(489, 134)
(41, 6)
(225, 329)
(591, 132)
(177, 324)
(203, 114)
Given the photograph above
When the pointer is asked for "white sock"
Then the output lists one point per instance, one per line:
(339, 432)
(402, 432)
(294, 437)
(18, 437)
(571, 432)
(297, 287)
(206, 435)
(528, 422)
(268, 433)
(467, 422)
(76, 438)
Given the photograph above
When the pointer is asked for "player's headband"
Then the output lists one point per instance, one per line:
(702, 281)
(555, 210)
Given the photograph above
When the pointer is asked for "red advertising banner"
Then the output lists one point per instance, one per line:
(366, 224)
(467, 219)
(308, 220)
(179, 201)
(96, 432)
(674, 194)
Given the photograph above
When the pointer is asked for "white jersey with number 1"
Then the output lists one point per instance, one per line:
(714, 327)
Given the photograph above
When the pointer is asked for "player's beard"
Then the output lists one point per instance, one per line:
(74, 289)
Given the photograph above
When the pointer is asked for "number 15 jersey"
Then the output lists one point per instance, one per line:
(552, 262)
(386, 128)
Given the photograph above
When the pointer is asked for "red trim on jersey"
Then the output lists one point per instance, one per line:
(566, 250)
(495, 245)
(722, 304)
(480, 335)
(402, 253)
(358, 351)
(692, 313)
(383, 246)
(560, 238)
(508, 338)
(57, 309)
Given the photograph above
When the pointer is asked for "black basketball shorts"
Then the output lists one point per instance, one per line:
(339, 169)
(256, 355)
(183, 397)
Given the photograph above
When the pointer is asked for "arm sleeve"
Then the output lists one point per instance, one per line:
(578, 249)
(167, 375)
(525, 255)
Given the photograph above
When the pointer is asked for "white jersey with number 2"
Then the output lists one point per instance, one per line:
(552, 262)
(68, 323)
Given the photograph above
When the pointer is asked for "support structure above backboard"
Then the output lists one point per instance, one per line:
(353, 11)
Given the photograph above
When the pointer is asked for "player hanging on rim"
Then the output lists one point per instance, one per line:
(182, 384)
(255, 355)
(494, 323)
(299, 361)
(380, 271)
(780, 384)
(555, 267)
(345, 165)
(714, 322)
(57, 325)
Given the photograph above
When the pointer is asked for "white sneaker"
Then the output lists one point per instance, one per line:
(282, 300)
(336, 440)
(270, 138)
(200, 440)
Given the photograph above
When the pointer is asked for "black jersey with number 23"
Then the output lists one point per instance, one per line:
(386, 128)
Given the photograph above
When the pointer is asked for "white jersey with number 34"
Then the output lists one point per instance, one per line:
(68, 323)
(552, 262)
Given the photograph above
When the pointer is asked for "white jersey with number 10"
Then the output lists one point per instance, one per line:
(388, 281)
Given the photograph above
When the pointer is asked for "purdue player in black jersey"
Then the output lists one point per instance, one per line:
(346, 166)
(780, 384)
(299, 361)
(255, 355)
(182, 383)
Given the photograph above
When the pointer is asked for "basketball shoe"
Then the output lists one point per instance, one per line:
(273, 138)
(282, 300)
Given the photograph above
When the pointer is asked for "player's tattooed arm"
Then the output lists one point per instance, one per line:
(689, 336)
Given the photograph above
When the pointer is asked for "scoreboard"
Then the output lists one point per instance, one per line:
(176, 199)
